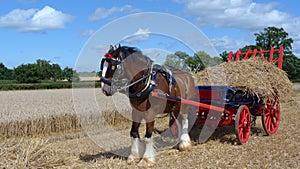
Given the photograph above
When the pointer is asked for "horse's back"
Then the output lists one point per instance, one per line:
(186, 83)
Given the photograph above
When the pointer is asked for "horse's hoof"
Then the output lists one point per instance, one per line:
(184, 145)
(146, 162)
(131, 159)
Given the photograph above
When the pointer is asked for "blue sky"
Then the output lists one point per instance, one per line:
(61, 31)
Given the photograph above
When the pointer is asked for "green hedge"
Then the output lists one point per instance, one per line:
(48, 85)
(296, 81)
(7, 82)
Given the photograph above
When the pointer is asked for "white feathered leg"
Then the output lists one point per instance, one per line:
(137, 149)
(185, 141)
(149, 155)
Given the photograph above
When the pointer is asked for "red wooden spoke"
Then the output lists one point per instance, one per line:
(243, 124)
(271, 116)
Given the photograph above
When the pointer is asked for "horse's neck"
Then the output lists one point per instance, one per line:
(136, 65)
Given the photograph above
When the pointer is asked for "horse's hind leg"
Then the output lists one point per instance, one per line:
(185, 141)
(136, 146)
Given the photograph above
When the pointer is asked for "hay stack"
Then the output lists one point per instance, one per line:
(255, 76)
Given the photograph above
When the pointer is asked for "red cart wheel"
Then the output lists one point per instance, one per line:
(271, 116)
(242, 124)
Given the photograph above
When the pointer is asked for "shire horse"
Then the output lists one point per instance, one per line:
(146, 77)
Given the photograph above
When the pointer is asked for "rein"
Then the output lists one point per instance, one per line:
(148, 84)
(133, 83)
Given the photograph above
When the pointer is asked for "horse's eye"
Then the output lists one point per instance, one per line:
(118, 66)
(121, 55)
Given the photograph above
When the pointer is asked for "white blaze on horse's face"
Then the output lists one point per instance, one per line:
(105, 66)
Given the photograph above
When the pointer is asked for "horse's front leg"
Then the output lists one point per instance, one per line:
(185, 140)
(149, 155)
(137, 148)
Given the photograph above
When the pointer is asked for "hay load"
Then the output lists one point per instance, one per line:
(255, 76)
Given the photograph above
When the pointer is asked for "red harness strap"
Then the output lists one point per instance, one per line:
(108, 55)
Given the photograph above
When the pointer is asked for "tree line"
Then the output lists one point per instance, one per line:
(269, 37)
(41, 70)
(195, 63)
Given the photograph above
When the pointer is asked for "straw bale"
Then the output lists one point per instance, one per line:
(254, 76)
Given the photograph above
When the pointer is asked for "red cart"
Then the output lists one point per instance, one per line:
(230, 106)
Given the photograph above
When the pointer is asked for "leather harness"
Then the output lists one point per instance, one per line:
(150, 82)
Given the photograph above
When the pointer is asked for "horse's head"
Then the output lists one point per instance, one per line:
(113, 67)
(109, 65)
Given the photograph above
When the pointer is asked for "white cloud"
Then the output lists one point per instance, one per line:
(138, 36)
(292, 26)
(35, 20)
(102, 13)
(242, 14)
(157, 55)
(228, 44)
(296, 44)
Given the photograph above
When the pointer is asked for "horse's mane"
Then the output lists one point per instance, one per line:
(134, 50)
(130, 50)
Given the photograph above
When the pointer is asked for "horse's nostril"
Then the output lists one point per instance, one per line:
(105, 80)
(107, 91)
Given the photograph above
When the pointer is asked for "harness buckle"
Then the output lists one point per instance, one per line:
(152, 82)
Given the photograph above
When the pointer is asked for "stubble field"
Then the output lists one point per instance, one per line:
(58, 129)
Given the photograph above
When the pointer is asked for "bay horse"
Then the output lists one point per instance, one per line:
(146, 77)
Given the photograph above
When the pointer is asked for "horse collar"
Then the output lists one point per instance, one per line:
(147, 88)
